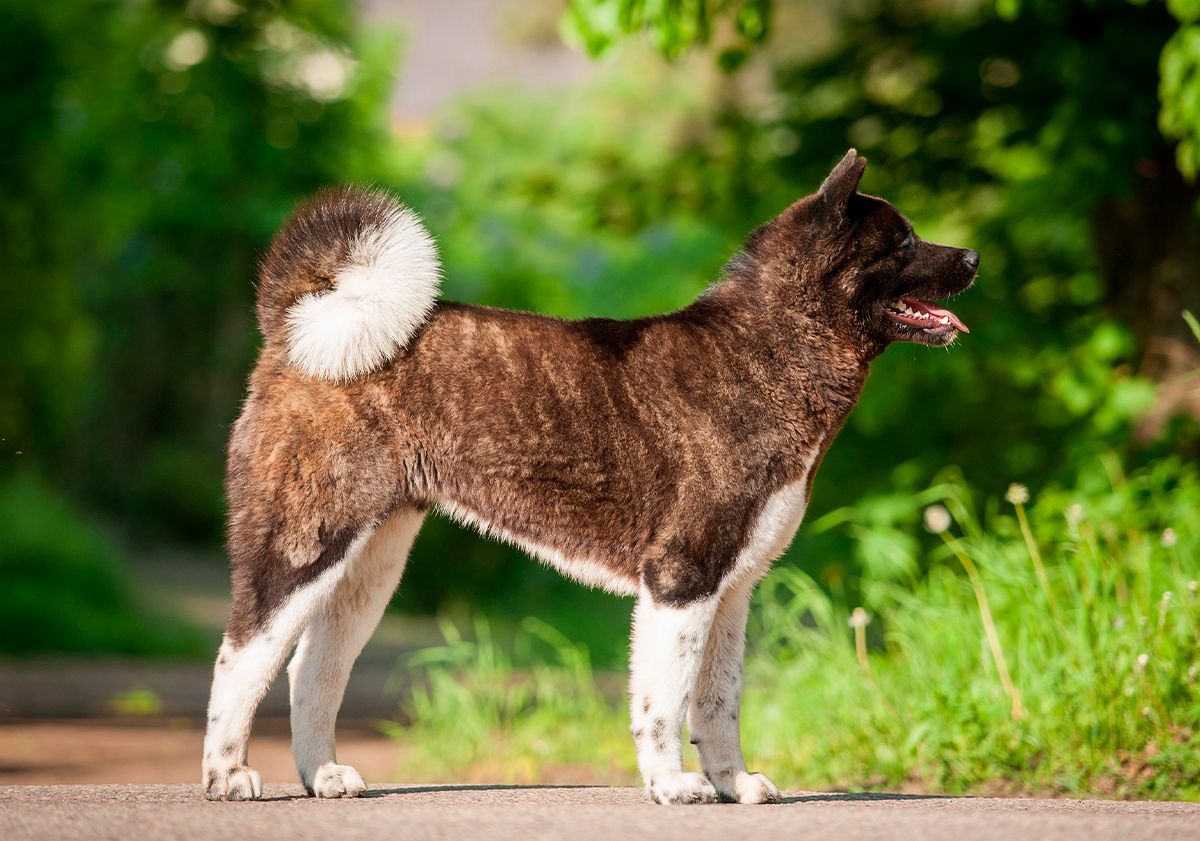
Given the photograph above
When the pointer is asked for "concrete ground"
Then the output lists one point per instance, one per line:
(492, 813)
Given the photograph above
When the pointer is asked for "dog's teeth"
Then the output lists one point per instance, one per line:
(944, 320)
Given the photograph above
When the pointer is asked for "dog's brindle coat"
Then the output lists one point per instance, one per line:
(668, 457)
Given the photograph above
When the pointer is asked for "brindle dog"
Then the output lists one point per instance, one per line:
(669, 458)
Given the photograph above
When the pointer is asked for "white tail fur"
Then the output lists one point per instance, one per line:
(381, 294)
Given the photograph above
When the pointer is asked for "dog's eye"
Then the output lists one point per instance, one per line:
(909, 242)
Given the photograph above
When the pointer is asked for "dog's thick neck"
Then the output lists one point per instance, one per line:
(818, 364)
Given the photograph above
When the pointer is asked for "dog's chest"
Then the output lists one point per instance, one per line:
(776, 524)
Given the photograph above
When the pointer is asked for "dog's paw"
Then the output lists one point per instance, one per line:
(754, 788)
(681, 787)
(238, 783)
(336, 781)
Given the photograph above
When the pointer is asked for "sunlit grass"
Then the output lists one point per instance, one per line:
(1064, 661)
(482, 712)
(1108, 695)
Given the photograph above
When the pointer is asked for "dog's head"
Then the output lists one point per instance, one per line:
(861, 267)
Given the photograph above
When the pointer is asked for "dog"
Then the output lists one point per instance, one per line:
(669, 458)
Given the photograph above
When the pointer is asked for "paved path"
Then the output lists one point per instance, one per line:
(491, 813)
(88, 752)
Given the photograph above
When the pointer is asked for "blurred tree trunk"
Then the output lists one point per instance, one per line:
(1149, 249)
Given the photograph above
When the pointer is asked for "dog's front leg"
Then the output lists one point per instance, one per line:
(665, 656)
(715, 713)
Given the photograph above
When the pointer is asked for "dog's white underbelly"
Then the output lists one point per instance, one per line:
(584, 570)
(772, 534)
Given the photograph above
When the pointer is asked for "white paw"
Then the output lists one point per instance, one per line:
(238, 783)
(681, 787)
(336, 781)
(754, 788)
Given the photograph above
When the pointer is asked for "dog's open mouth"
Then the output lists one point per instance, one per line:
(923, 316)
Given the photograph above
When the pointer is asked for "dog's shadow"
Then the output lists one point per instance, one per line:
(451, 787)
(860, 797)
(393, 791)
(815, 797)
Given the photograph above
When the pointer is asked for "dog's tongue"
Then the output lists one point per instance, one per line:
(936, 312)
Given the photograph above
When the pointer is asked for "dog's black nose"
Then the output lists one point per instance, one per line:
(971, 258)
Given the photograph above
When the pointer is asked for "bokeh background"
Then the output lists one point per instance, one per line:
(931, 629)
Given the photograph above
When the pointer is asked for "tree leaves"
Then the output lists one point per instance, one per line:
(673, 26)
(1179, 91)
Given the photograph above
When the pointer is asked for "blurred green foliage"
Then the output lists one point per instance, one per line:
(506, 706)
(66, 588)
(674, 28)
(150, 150)
(1180, 85)
(597, 25)
(154, 147)
(1031, 138)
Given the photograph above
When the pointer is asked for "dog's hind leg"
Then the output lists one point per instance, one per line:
(273, 604)
(321, 666)
(665, 657)
(714, 715)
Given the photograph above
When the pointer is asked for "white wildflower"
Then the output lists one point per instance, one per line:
(1017, 494)
(1075, 514)
(1169, 538)
(1193, 586)
(1139, 665)
(859, 618)
(937, 518)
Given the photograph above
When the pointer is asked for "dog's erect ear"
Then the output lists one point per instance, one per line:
(842, 182)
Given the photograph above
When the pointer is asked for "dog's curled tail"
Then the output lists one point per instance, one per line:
(347, 282)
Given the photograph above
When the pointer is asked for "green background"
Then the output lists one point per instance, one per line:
(152, 148)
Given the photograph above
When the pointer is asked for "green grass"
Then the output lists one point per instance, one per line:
(1085, 683)
(66, 588)
(481, 710)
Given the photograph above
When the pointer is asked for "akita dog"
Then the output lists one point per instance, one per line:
(668, 458)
